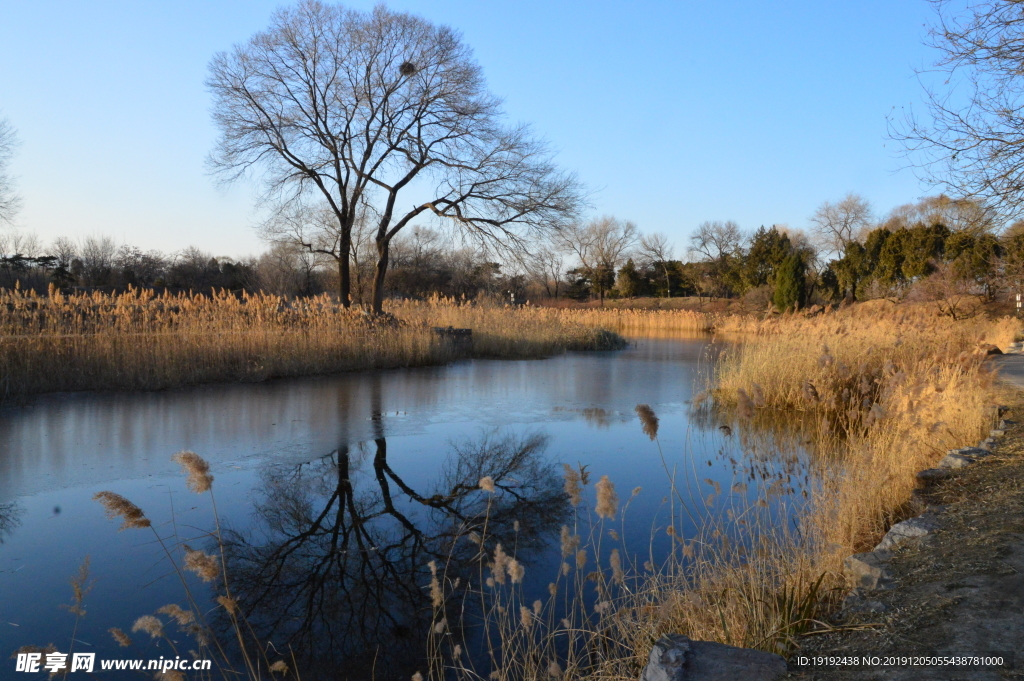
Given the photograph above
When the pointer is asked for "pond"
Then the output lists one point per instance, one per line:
(334, 493)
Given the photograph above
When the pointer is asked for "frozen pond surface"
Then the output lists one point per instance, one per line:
(333, 492)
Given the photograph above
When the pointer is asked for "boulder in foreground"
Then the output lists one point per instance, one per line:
(677, 658)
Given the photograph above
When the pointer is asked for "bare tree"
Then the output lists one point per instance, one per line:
(716, 240)
(97, 253)
(836, 225)
(315, 228)
(547, 265)
(14, 243)
(601, 246)
(657, 252)
(65, 250)
(358, 108)
(970, 140)
(955, 214)
(9, 201)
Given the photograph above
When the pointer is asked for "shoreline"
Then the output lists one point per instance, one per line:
(958, 590)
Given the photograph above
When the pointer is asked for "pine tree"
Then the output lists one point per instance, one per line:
(791, 283)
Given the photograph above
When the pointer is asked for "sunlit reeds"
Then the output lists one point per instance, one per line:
(646, 323)
(142, 341)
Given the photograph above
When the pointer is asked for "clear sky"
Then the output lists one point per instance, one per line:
(672, 112)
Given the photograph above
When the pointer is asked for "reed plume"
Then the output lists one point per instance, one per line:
(117, 506)
(648, 420)
(175, 612)
(199, 479)
(228, 603)
(122, 638)
(150, 625)
(201, 564)
(573, 484)
(607, 499)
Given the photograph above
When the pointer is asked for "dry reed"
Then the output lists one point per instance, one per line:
(141, 341)
(645, 323)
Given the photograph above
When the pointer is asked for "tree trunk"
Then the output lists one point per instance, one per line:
(345, 282)
(378, 276)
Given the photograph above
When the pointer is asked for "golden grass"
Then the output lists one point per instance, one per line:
(141, 341)
(647, 323)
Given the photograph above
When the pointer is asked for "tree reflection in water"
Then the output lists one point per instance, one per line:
(335, 563)
(10, 518)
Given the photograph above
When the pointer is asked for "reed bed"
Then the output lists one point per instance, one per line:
(141, 341)
(891, 389)
(647, 323)
(507, 332)
(884, 391)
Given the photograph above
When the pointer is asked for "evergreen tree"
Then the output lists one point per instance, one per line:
(630, 283)
(768, 249)
(791, 283)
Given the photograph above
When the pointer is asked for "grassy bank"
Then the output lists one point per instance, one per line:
(884, 390)
(140, 341)
(648, 323)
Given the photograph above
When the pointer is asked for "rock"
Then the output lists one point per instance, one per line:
(867, 570)
(954, 460)
(989, 349)
(855, 603)
(996, 433)
(930, 476)
(1014, 348)
(988, 443)
(676, 658)
(921, 502)
(974, 452)
(913, 528)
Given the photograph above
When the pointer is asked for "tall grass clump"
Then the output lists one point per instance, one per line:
(890, 390)
(138, 340)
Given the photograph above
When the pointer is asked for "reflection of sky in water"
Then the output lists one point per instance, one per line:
(57, 452)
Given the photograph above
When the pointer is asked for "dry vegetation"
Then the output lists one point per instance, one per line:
(886, 390)
(645, 323)
(141, 341)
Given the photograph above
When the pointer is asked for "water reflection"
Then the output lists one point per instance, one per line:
(334, 563)
(10, 518)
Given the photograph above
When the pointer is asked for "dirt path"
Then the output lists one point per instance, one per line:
(959, 591)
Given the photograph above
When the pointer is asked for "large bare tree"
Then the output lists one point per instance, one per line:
(971, 138)
(9, 201)
(360, 108)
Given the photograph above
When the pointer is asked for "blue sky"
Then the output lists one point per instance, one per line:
(671, 112)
